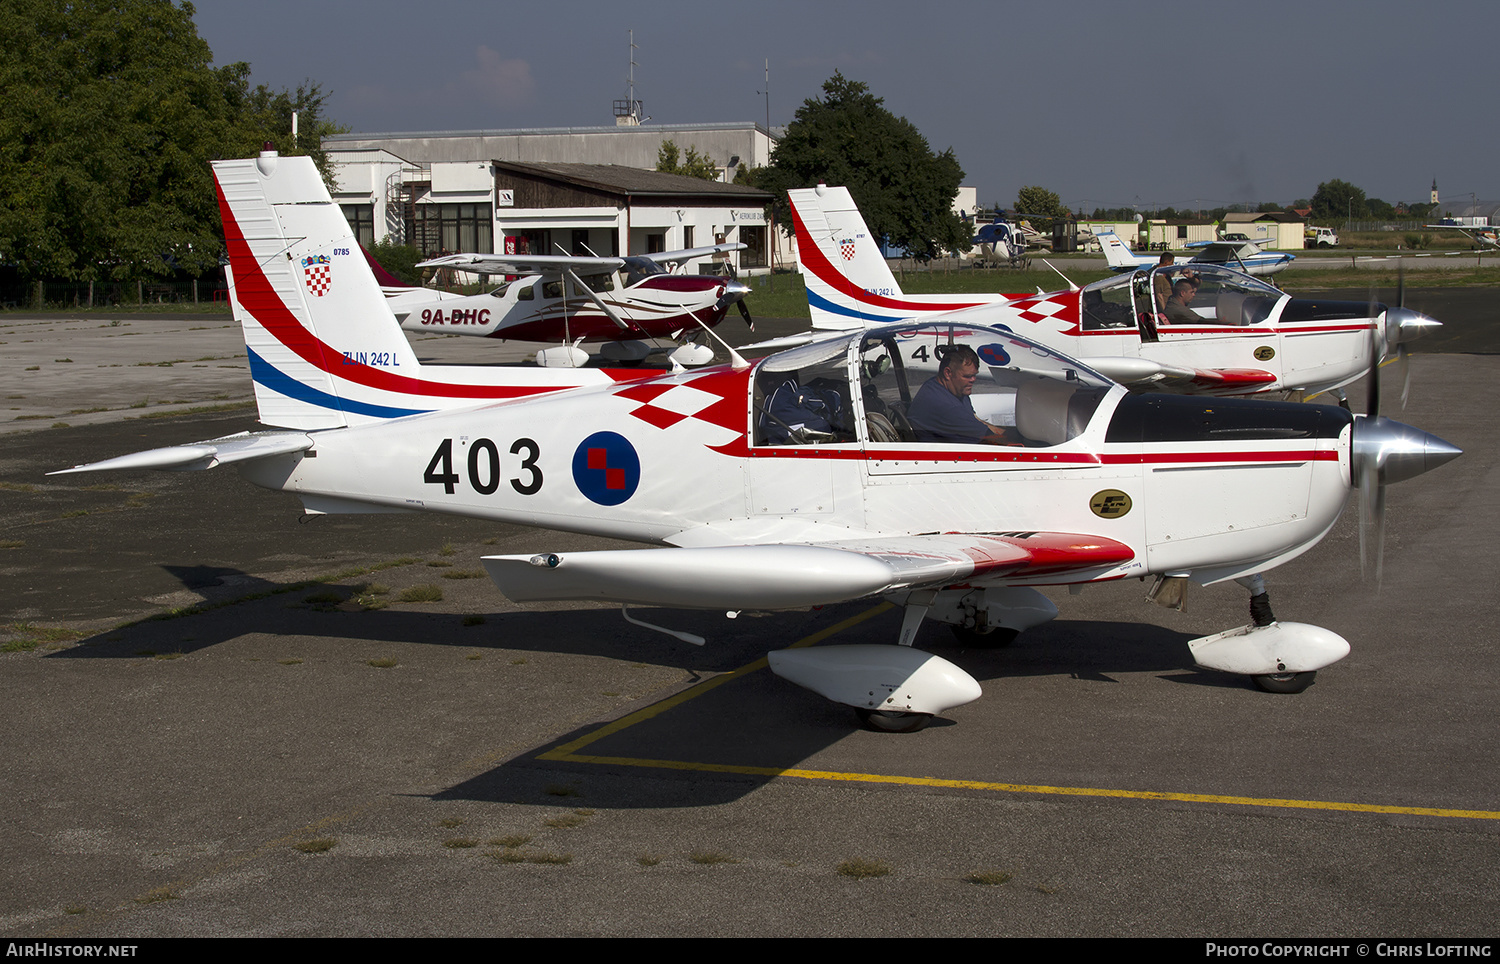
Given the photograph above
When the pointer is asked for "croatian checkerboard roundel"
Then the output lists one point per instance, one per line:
(606, 468)
(317, 271)
(846, 248)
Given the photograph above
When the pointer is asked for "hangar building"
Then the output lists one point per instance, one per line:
(555, 190)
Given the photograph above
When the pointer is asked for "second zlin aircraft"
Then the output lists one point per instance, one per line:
(1244, 336)
(800, 480)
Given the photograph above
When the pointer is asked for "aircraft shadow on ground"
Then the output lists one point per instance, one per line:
(703, 751)
(723, 745)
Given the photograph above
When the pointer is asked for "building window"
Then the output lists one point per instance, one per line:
(687, 235)
(1182, 232)
(754, 255)
(452, 228)
(361, 218)
(656, 243)
(580, 242)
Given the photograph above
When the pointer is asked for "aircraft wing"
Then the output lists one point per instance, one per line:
(553, 264)
(1223, 250)
(1146, 374)
(687, 254)
(791, 576)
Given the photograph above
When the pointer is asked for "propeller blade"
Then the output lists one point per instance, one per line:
(745, 313)
(1372, 378)
(1403, 354)
(1372, 524)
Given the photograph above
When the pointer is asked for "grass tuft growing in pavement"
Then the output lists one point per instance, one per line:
(862, 869)
(989, 878)
(709, 858)
(318, 846)
(424, 593)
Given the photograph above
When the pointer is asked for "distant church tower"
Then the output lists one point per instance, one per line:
(1434, 191)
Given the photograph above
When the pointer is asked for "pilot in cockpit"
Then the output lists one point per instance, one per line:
(942, 410)
(1178, 311)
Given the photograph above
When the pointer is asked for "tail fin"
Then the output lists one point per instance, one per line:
(836, 253)
(301, 290)
(1116, 253)
(325, 350)
(849, 285)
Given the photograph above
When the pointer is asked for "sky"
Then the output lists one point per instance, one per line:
(1109, 104)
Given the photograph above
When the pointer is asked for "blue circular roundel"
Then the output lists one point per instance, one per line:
(606, 468)
(994, 355)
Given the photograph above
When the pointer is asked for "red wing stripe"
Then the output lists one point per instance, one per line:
(1049, 552)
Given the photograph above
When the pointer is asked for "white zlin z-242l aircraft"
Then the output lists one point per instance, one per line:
(1247, 256)
(1244, 336)
(625, 302)
(811, 477)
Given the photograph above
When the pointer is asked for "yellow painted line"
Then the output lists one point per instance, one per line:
(568, 752)
(880, 778)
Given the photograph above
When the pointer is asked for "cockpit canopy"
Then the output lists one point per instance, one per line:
(637, 269)
(1219, 296)
(885, 386)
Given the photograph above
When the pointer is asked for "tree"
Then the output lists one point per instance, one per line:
(694, 165)
(399, 259)
(1038, 202)
(847, 137)
(1336, 200)
(112, 111)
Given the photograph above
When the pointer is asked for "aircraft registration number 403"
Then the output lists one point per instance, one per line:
(484, 467)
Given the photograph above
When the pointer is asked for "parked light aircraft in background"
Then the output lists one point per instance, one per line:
(1482, 235)
(802, 480)
(1250, 337)
(627, 302)
(624, 301)
(1247, 255)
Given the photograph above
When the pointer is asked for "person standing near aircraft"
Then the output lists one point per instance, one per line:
(943, 410)
(1162, 283)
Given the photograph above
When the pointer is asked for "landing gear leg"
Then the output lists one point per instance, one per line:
(1339, 394)
(1261, 615)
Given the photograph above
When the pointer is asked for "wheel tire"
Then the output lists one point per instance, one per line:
(992, 638)
(1285, 682)
(891, 721)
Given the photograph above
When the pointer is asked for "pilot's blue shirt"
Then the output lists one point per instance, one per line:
(938, 415)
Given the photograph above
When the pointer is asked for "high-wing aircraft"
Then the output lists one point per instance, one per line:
(1234, 335)
(827, 473)
(1482, 235)
(626, 302)
(1247, 255)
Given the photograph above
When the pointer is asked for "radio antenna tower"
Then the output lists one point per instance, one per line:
(628, 111)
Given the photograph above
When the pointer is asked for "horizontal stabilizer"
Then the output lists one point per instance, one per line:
(202, 455)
